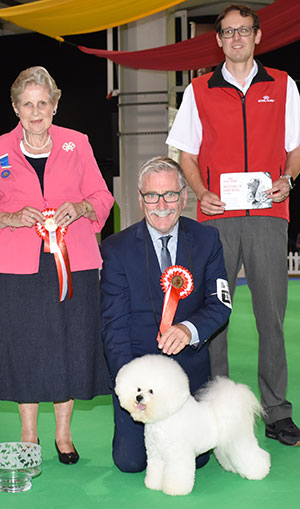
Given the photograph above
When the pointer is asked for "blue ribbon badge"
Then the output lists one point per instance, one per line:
(4, 163)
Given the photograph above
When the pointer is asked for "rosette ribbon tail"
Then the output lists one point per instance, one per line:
(169, 309)
(55, 244)
(63, 269)
(53, 237)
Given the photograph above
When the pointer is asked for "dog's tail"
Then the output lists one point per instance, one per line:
(235, 407)
(231, 402)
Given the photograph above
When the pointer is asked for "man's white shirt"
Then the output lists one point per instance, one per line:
(186, 132)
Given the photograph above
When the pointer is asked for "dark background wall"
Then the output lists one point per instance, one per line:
(82, 79)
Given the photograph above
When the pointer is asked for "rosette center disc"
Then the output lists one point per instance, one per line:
(50, 224)
(177, 281)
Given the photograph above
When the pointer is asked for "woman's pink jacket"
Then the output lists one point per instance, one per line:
(71, 174)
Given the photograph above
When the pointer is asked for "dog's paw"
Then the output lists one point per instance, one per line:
(253, 465)
(181, 484)
(153, 484)
(261, 468)
(177, 489)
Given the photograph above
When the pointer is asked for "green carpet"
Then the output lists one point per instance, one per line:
(96, 483)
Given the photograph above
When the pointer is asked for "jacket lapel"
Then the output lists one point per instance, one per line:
(146, 253)
(184, 246)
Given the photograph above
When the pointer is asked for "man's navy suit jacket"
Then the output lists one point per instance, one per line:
(132, 296)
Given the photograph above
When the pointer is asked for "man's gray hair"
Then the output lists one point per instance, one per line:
(160, 164)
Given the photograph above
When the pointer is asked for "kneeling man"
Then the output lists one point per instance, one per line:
(132, 296)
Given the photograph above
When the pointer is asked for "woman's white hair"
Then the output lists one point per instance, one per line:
(34, 76)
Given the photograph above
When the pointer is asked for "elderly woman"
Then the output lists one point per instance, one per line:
(50, 188)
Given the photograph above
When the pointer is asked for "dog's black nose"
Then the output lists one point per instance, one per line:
(139, 398)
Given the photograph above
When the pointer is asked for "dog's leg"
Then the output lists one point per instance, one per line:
(179, 474)
(154, 473)
(244, 456)
(237, 449)
(155, 462)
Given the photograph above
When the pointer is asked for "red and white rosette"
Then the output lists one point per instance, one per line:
(177, 283)
(53, 237)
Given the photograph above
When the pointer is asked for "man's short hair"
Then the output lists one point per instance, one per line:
(244, 11)
(158, 165)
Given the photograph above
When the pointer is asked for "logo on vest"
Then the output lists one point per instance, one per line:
(266, 99)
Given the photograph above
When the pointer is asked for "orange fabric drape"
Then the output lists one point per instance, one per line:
(68, 17)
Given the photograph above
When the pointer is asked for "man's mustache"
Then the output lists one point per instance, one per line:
(162, 212)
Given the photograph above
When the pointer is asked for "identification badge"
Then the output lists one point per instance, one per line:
(223, 292)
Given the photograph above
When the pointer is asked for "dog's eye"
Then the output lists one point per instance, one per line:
(151, 391)
(138, 389)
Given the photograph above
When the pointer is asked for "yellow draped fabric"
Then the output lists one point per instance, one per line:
(66, 17)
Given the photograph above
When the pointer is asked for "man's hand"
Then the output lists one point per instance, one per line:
(211, 204)
(279, 191)
(175, 339)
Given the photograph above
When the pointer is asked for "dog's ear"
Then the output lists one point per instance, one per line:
(122, 382)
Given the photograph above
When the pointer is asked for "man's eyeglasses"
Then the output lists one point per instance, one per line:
(168, 196)
(243, 31)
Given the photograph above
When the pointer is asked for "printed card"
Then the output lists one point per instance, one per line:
(245, 190)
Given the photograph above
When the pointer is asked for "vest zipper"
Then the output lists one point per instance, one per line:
(245, 132)
(243, 98)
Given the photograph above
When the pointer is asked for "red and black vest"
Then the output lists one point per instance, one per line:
(242, 133)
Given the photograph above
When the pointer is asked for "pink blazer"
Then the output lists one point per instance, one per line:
(71, 174)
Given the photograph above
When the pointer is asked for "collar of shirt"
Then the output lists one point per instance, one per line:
(228, 77)
(34, 156)
(172, 244)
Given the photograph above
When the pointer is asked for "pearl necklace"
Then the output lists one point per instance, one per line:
(36, 148)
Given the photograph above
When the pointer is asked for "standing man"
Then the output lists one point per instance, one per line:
(132, 296)
(244, 118)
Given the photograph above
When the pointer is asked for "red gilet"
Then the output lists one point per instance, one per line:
(242, 133)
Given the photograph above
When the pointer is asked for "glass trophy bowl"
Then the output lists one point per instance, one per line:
(19, 462)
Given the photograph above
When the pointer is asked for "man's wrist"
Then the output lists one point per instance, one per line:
(290, 180)
(194, 339)
(201, 193)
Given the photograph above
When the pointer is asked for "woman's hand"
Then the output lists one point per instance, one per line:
(69, 212)
(26, 217)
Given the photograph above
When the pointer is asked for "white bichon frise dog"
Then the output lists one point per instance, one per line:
(154, 389)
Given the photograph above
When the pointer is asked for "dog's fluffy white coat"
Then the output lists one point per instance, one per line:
(154, 389)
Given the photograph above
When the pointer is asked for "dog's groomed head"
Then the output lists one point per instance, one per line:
(152, 387)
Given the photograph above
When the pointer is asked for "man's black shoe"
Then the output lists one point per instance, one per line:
(285, 431)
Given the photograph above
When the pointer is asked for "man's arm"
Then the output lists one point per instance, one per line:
(292, 165)
(215, 310)
(210, 203)
(216, 307)
(281, 188)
